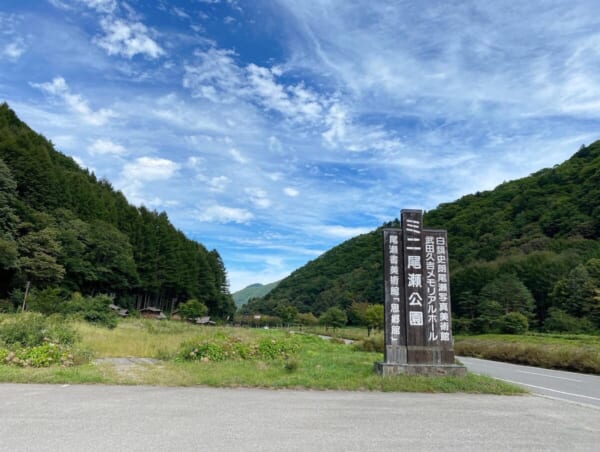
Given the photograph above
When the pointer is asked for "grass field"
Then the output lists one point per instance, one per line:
(313, 363)
(576, 352)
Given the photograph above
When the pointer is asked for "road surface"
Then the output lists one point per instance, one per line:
(142, 418)
(566, 386)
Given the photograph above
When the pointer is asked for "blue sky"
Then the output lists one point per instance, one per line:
(274, 130)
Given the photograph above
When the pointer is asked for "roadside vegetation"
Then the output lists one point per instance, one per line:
(575, 352)
(189, 355)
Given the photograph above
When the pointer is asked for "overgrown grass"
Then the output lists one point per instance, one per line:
(577, 352)
(311, 362)
(348, 332)
(136, 338)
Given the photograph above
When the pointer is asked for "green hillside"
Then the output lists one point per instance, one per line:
(61, 227)
(529, 246)
(253, 291)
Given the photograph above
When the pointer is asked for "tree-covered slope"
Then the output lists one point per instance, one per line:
(61, 227)
(252, 291)
(536, 239)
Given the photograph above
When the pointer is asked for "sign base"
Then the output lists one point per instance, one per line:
(430, 370)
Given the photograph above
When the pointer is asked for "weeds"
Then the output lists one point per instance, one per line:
(577, 353)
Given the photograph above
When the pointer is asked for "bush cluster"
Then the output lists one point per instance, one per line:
(371, 344)
(32, 340)
(40, 356)
(30, 329)
(232, 348)
(94, 309)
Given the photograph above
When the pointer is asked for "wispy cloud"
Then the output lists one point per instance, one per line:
(150, 169)
(106, 146)
(12, 42)
(290, 191)
(128, 39)
(214, 76)
(341, 232)
(275, 143)
(13, 50)
(59, 88)
(102, 6)
(224, 214)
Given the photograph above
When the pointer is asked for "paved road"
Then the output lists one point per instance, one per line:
(141, 418)
(566, 386)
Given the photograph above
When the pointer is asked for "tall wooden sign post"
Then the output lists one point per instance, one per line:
(418, 326)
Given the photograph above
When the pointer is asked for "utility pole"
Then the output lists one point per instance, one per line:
(25, 297)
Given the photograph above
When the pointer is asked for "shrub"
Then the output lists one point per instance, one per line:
(558, 321)
(273, 348)
(333, 317)
(231, 348)
(47, 301)
(307, 319)
(43, 355)
(462, 326)
(26, 329)
(30, 329)
(6, 306)
(371, 344)
(291, 365)
(513, 323)
(92, 309)
(192, 309)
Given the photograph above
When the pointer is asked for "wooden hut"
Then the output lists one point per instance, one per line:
(152, 313)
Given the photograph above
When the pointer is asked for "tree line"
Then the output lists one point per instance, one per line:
(61, 227)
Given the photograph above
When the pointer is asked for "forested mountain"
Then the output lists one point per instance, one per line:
(62, 227)
(530, 246)
(252, 291)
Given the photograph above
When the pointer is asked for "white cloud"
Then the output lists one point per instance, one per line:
(128, 39)
(194, 162)
(79, 162)
(58, 87)
(258, 197)
(341, 232)
(275, 144)
(60, 4)
(237, 156)
(136, 174)
(106, 146)
(215, 76)
(295, 101)
(336, 121)
(224, 214)
(179, 12)
(13, 50)
(218, 184)
(149, 169)
(292, 192)
(102, 6)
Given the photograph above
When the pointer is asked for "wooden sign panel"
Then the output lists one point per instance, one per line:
(418, 328)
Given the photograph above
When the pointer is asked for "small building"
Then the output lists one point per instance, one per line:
(175, 315)
(203, 321)
(152, 313)
(119, 310)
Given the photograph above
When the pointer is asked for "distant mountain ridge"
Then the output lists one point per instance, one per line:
(252, 291)
(533, 231)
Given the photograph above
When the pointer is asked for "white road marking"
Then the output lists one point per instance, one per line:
(554, 390)
(549, 376)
